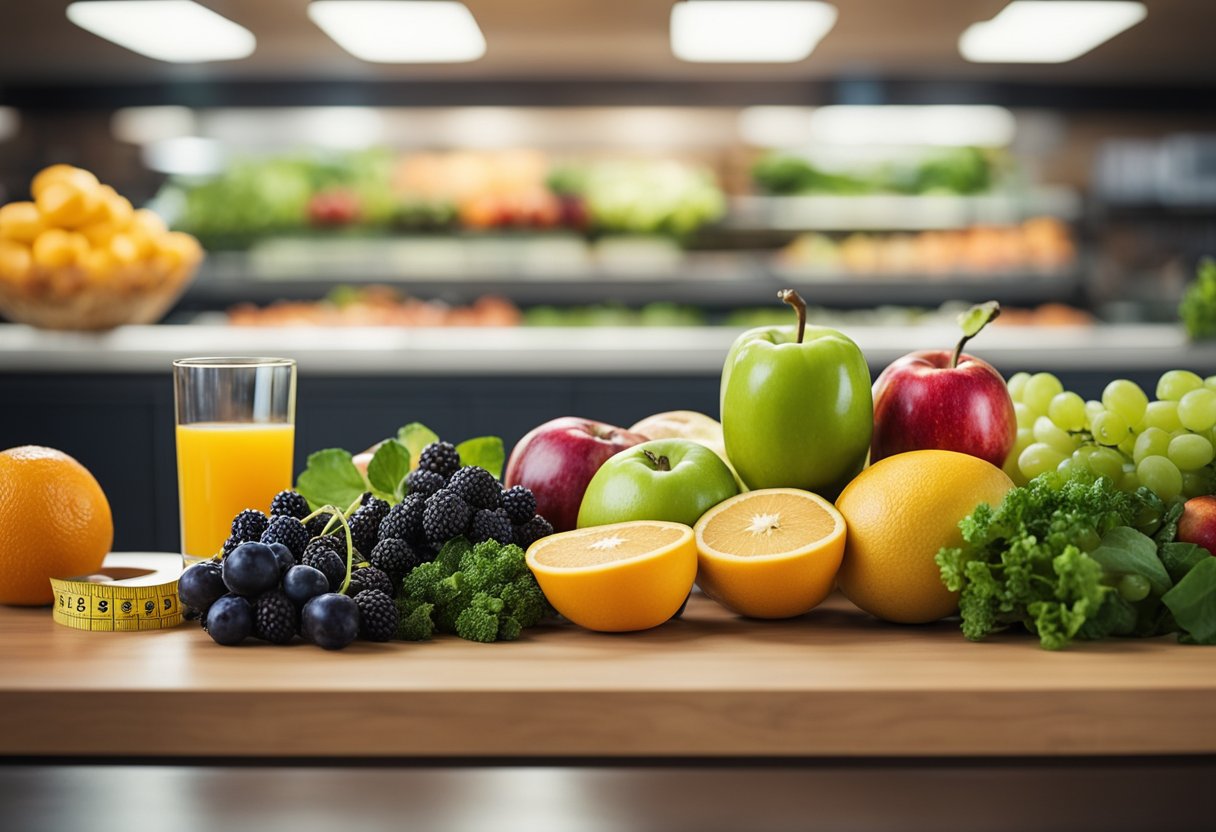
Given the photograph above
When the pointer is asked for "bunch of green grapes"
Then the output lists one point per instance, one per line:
(1166, 445)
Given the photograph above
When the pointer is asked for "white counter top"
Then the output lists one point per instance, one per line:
(560, 351)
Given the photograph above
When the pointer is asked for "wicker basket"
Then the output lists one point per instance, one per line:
(64, 299)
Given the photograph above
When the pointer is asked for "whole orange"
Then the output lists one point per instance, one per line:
(54, 522)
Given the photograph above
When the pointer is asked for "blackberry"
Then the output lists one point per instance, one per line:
(248, 525)
(317, 524)
(446, 516)
(477, 487)
(394, 558)
(365, 528)
(378, 616)
(520, 503)
(528, 533)
(491, 525)
(369, 577)
(231, 543)
(275, 618)
(322, 554)
(290, 532)
(404, 520)
(426, 483)
(289, 503)
(440, 457)
(375, 506)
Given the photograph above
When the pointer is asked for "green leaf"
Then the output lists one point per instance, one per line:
(1126, 551)
(485, 451)
(331, 478)
(415, 436)
(1180, 558)
(1169, 523)
(978, 317)
(388, 467)
(1193, 603)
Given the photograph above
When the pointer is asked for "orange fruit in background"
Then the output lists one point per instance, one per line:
(619, 577)
(54, 522)
(771, 553)
(900, 512)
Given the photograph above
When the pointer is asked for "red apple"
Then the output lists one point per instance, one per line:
(557, 459)
(950, 401)
(1198, 522)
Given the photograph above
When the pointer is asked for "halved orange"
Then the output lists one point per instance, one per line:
(619, 577)
(771, 553)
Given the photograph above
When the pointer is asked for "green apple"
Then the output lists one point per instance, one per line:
(796, 406)
(664, 479)
(687, 424)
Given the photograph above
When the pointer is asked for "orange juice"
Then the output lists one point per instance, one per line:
(224, 468)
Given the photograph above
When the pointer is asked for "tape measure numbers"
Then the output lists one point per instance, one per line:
(132, 591)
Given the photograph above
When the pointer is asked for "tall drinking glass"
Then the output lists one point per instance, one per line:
(235, 435)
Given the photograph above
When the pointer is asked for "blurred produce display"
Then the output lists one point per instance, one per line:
(79, 256)
(375, 306)
(607, 314)
(1038, 244)
(1048, 314)
(962, 171)
(1198, 307)
(374, 191)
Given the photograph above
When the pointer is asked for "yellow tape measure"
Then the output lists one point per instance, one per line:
(132, 591)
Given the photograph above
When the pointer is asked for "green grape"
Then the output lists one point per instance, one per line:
(1134, 588)
(1196, 483)
(1190, 452)
(1067, 410)
(1107, 462)
(1086, 539)
(1162, 415)
(1153, 442)
(1039, 390)
(1126, 399)
(1161, 476)
(1082, 454)
(1210, 382)
(1038, 458)
(1024, 438)
(1128, 446)
(1092, 409)
(1129, 481)
(1046, 431)
(1175, 384)
(1067, 466)
(1024, 415)
(1017, 384)
(1109, 428)
(1197, 410)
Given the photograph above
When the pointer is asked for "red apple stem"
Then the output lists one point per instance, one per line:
(795, 300)
(661, 463)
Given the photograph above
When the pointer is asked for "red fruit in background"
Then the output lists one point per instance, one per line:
(1198, 522)
(556, 460)
(948, 401)
(333, 207)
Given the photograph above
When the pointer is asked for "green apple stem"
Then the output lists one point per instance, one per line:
(795, 300)
(661, 463)
(971, 322)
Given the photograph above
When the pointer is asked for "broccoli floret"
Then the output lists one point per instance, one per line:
(414, 623)
(482, 593)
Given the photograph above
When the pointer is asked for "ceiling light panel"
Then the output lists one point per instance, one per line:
(748, 31)
(401, 31)
(1048, 31)
(178, 31)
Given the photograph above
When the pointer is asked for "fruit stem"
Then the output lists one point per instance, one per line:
(973, 322)
(350, 548)
(795, 300)
(661, 463)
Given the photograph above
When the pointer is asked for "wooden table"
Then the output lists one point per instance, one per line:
(834, 684)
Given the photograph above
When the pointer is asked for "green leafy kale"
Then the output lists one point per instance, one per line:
(1198, 307)
(1069, 558)
(481, 593)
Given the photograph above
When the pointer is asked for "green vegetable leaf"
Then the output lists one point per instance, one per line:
(1169, 523)
(1125, 551)
(415, 436)
(388, 467)
(1193, 603)
(978, 317)
(485, 451)
(1180, 558)
(330, 478)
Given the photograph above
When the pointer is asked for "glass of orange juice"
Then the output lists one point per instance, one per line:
(235, 436)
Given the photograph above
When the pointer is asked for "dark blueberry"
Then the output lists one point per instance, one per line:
(251, 569)
(286, 558)
(330, 620)
(229, 620)
(201, 585)
(303, 583)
